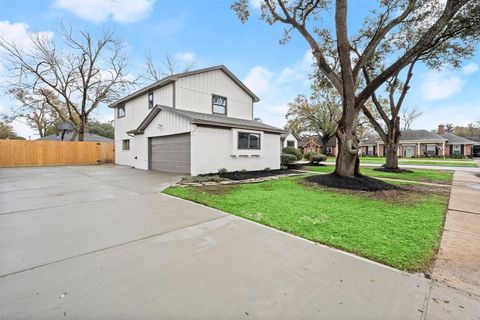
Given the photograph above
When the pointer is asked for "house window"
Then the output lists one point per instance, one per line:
(370, 151)
(150, 100)
(126, 144)
(248, 140)
(290, 143)
(328, 150)
(121, 112)
(457, 149)
(219, 105)
(431, 149)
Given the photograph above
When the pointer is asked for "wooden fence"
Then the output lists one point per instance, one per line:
(45, 153)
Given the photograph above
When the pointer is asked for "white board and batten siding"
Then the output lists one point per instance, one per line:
(194, 93)
(216, 148)
(135, 112)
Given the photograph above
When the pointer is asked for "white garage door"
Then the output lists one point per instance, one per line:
(170, 153)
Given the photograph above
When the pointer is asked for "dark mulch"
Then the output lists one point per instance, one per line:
(240, 175)
(362, 183)
(398, 170)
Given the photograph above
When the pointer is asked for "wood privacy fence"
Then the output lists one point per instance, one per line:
(45, 153)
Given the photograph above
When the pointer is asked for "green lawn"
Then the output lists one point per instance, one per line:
(419, 161)
(420, 175)
(403, 232)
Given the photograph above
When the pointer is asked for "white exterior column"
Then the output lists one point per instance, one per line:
(443, 150)
(418, 149)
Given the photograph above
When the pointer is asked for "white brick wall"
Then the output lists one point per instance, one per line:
(215, 148)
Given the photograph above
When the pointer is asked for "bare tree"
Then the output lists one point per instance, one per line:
(167, 67)
(84, 71)
(341, 57)
(37, 110)
(409, 116)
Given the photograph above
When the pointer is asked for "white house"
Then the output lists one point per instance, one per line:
(195, 122)
(289, 139)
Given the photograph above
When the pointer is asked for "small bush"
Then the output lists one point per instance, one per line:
(294, 151)
(283, 168)
(456, 156)
(222, 171)
(287, 159)
(243, 170)
(267, 169)
(309, 155)
(316, 159)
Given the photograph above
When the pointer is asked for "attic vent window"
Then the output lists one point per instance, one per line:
(150, 100)
(219, 105)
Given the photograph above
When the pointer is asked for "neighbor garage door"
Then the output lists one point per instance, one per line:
(170, 153)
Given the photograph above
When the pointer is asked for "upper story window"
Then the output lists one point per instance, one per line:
(248, 140)
(290, 143)
(121, 112)
(219, 105)
(150, 100)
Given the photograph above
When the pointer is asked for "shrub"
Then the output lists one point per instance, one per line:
(287, 159)
(294, 151)
(283, 168)
(316, 159)
(309, 155)
(267, 169)
(222, 171)
(243, 170)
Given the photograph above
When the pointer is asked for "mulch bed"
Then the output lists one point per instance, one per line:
(240, 175)
(362, 183)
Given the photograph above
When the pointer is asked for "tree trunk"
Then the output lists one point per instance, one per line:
(81, 128)
(347, 155)
(391, 145)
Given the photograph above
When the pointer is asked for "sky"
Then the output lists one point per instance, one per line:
(208, 33)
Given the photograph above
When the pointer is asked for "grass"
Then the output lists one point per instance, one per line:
(419, 175)
(419, 161)
(404, 234)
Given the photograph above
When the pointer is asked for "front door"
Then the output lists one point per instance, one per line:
(409, 151)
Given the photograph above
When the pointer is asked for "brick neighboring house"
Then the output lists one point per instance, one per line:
(314, 144)
(423, 143)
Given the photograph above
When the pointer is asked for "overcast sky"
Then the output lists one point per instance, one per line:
(208, 33)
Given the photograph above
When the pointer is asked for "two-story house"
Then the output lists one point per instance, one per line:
(195, 122)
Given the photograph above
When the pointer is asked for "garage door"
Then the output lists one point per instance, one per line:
(170, 153)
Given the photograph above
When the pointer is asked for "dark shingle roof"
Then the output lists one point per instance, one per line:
(207, 119)
(167, 80)
(420, 135)
(88, 137)
(453, 138)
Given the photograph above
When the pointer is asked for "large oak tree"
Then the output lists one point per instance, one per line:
(83, 71)
(342, 56)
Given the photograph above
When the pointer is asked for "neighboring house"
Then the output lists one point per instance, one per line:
(314, 144)
(476, 146)
(289, 139)
(87, 137)
(195, 122)
(422, 143)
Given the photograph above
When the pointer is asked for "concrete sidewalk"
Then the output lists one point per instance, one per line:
(458, 263)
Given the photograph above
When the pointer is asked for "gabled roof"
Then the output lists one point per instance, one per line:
(206, 119)
(285, 135)
(420, 135)
(167, 80)
(317, 141)
(88, 137)
(453, 138)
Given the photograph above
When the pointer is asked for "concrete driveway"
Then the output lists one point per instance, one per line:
(101, 242)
